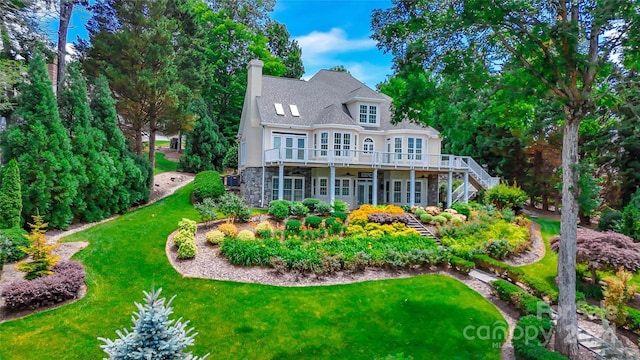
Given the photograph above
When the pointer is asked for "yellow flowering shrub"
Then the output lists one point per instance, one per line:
(215, 237)
(356, 230)
(228, 229)
(246, 235)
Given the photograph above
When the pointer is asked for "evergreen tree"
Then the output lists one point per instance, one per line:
(153, 335)
(133, 173)
(205, 145)
(42, 148)
(630, 222)
(11, 197)
(93, 167)
(41, 261)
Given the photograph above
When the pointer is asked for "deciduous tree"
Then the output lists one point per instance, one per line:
(561, 47)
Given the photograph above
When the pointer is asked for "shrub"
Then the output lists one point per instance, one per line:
(505, 196)
(188, 226)
(313, 221)
(464, 209)
(153, 334)
(246, 235)
(311, 203)
(609, 220)
(447, 215)
(419, 212)
(508, 214)
(64, 284)
(41, 262)
(181, 237)
(215, 237)
(207, 184)
(187, 250)
(323, 208)
(293, 225)
(339, 205)
(384, 218)
(532, 348)
(426, 218)
(526, 303)
(341, 215)
(633, 319)
(279, 210)
(298, 209)
(336, 227)
(11, 243)
(10, 197)
(498, 249)
(264, 229)
(617, 293)
(207, 209)
(229, 230)
(440, 219)
(233, 206)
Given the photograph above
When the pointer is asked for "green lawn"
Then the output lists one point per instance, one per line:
(423, 316)
(164, 165)
(547, 268)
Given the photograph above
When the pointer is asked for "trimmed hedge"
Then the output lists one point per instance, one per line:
(527, 348)
(207, 184)
(462, 265)
(313, 221)
(64, 284)
(526, 303)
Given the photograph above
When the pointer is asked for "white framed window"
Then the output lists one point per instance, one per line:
(367, 146)
(293, 189)
(243, 152)
(342, 144)
(417, 195)
(293, 145)
(397, 147)
(368, 114)
(322, 189)
(397, 191)
(279, 109)
(324, 143)
(414, 148)
(343, 187)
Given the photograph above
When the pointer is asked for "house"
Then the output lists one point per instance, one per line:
(331, 137)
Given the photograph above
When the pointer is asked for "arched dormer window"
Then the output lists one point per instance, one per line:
(367, 146)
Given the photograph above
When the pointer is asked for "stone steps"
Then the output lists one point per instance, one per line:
(419, 227)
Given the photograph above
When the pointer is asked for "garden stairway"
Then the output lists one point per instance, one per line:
(585, 338)
(419, 227)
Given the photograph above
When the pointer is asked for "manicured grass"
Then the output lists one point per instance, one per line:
(424, 316)
(164, 165)
(547, 268)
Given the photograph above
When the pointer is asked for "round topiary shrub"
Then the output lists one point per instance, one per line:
(310, 203)
(279, 210)
(298, 209)
(228, 230)
(181, 237)
(440, 219)
(313, 221)
(215, 237)
(340, 215)
(246, 235)
(419, 212)
(426, 218)
(447, 215)
(187, 250)
(293, 225)
(264, 229)
(207, 184)
(323, 208)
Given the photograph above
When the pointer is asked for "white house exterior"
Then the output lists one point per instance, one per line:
(331, 138)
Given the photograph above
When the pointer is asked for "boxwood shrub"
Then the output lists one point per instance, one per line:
(526, 303)
(313, 221)
(293, 225)
(532, 348)
(340, 215)
(207, 184)
(310, 203)
(64, 284)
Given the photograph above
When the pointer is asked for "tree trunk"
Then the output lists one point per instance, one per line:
(66, 7)
(138, 144)
(152, 141)
(179, 141)
(567, 329)
(545, 202)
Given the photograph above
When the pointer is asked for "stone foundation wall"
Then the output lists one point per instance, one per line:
(251, 183)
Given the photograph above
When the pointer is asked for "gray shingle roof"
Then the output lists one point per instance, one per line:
(320, 101)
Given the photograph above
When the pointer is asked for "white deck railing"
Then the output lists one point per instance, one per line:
(373, 159)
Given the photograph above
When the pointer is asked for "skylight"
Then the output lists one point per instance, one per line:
(279, 109)
(294, 110)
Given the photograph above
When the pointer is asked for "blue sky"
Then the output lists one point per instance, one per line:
(330, 33)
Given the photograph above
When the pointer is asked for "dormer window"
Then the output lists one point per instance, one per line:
(369, 114)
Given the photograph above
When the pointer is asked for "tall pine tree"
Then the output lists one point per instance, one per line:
(11, 197)
(205, 144)
(132, 172)
(42, 148)
(93, 166)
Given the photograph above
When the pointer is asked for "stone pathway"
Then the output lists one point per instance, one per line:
(585, 338)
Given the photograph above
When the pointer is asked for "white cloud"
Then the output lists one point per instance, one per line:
(319, 47)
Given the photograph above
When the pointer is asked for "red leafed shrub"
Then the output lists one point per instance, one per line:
(605, 250)
(384, 218)
(62, 285)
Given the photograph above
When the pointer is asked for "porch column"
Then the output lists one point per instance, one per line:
(465, 194)
(332, 184)
(449, 189)
(374, 188)
(281, 182)
(412, 187)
